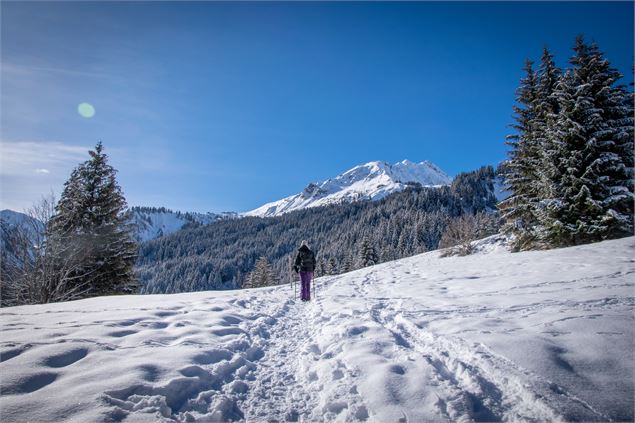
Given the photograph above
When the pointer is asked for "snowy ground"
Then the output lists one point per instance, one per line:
(539, 336)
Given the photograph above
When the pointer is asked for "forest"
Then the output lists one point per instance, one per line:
(221, 255)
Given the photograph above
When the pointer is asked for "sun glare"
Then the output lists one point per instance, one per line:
(86, 110)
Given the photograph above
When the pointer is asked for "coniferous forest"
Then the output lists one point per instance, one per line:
(345, 237)
(570, 170)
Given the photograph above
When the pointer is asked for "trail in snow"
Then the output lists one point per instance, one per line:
(542, 336)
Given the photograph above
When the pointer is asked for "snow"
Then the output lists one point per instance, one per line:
(151, 224)
(148, 223)
(532, 336)
(158, 224)
(13, 219)
(370, 181)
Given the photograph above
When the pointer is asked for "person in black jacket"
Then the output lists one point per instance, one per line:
(305, 264)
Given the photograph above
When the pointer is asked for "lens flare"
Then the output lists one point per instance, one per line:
(86, 110)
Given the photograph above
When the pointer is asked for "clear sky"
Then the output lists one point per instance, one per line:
(225, 106)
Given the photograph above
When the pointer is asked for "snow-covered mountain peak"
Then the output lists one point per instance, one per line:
(369, 181)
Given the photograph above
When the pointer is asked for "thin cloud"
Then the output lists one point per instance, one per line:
(30, 169)
(21, 158)
(11, 69)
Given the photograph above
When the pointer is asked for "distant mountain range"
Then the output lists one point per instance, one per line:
(370, 181)
(149, 222)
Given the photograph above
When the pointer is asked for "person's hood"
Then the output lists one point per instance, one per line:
(304, 248)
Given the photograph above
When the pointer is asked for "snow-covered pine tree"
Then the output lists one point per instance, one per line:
(523, 166)
(91, 216)
(402, 244)
(594, 137)
(320, 269)
(546, 112)
(331, 267)
(262, 275)
(368, 254)
(347, 263)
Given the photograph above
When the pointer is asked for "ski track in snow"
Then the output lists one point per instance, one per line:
(539, 336)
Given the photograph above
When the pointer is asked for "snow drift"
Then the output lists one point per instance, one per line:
(535, 336)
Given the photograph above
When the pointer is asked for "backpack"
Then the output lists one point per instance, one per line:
(307, 259)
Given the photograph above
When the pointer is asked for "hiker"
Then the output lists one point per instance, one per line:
(305, 264)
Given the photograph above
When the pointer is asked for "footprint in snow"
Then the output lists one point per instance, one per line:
(232, 320)
(397, 369)
(212, 357)
(227, 331)
(66, 358)
(165, 313)
(149, 372)
(124, 323)
(29, 384)
(14, 352)
(356, 330)
(121, 333)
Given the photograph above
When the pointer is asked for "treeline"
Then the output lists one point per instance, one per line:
(570, 167)
(221, 255)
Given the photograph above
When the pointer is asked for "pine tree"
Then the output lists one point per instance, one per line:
(368, 254)
(320, 269)
(594, 138)
(262, 275)
(523, 165)
(331, 268)
(347, 263)
(546, 112)
(91, 216)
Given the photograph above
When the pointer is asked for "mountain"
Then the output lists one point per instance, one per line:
(220, 255)
(370, 181)
(149, 222)
(539, 336)
(154, 222)
(14, 218)
(10, 219)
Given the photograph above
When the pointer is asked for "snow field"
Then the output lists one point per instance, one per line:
(537, 336)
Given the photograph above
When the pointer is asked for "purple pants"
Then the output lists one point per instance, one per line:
(305, 291)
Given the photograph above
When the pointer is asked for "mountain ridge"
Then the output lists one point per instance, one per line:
(369, 181)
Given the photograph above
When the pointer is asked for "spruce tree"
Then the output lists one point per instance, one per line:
(347, 263)
(331, 268)
(368, 254)
(262, 275)
(546, 112)
(523, 166)
(91, 216)
(593, 135)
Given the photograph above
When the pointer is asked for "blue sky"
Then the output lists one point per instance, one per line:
(218, 106)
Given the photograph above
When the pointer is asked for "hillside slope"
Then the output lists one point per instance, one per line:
(535, 336)
(154, 222)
